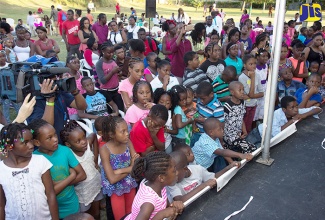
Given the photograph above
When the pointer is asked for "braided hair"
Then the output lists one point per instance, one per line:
(151, 166)
(104, 46)
(175, 91)
(209, 48)
(70, 126)
(109, 125)
(136, 87)
(35, 125)
(9, 134)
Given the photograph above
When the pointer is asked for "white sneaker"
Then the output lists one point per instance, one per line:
(62, 40)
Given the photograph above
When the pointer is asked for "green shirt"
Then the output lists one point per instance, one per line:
(62, 159)
(220, 88)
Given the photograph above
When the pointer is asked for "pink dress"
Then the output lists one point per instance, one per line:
(134, 114)
(168, 47)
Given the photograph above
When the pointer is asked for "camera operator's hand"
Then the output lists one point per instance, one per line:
(26, 109)
(46, 88)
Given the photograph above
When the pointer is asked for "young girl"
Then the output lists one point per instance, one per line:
(170, 28)
(159, 171)
(164, 98)
(235, 129)
(232, 58)
(252, 88)
(245, 39)
(26, 188)
(11, 55)
(117, 159)
(74, 64)
(142, 102)
(179, 96)
(189, 111)
(163, 79)
(85, 149)
(91, 56)
(107, 71)
(66, 170)
(3, 59)
(262, 70)
(151, 71)
(214, 37)
(136, 69)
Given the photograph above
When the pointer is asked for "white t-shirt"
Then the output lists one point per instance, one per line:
(156, 83)
(6, 65)
(88, 189)
(30, 20)
(24, 189)
(134, 30)
(199, 175)
(217, 24)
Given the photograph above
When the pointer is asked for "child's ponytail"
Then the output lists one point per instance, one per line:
(9, 134)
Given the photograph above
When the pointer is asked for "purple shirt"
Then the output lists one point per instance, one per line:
(101, 31)
(178, 65)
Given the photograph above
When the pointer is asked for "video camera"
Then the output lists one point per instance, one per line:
(25, 77)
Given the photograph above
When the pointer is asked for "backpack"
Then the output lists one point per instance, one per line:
(64, 16)
(150, 44)
(8, 84)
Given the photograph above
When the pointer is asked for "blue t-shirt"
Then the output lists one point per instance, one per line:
(97, 103)
(248, 44)
(62, 159)
(237, 63)
(299, 93)
(181, 132)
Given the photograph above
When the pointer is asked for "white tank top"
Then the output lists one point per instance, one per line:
(116, 38)
(22, 52)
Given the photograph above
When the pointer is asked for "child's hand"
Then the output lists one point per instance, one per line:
(298, 117)
(134, 157)
(313, 90)
(243, 134)
(178, 205)
(199, 119)
(148, 105)
(235, 164)
(153, 130)
(115, 70)
(211, 182)
(169, 213)
(248, 157)
(115, 114)
(166, 80)
(73, 172)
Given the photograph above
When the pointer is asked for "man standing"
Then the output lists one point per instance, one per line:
(216, 21)
(208, 26)
(101, 29)
(62, 17)
(70, 34)
(149, 46)
(30, 22)
(54, 16)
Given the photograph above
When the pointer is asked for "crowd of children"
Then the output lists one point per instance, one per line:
(187, 121)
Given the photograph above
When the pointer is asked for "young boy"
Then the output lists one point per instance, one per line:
(192, 74)
(187, 150)
(287, 86)
(235, 129)
(298, 62)
(221, 83)
(303, 34)
(208, 150)
(97, 101)
(147, 135)
(283, 117)
(207, 106)
(310, 96)
(192, 178)
(122, 61)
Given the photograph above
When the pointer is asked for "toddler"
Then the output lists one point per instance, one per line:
(8, 46)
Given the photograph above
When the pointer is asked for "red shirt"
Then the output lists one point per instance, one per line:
(141, 139)
(70, 28)
(101, 142)
(148, 49)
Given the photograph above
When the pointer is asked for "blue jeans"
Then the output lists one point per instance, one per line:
(6, 107)
(219, 163)
(254, 137)
(195, 137)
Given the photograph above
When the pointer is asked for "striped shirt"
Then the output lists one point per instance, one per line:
(147, 195)
(204, 149)
(220, 88)
(213, 109)
(192, 78)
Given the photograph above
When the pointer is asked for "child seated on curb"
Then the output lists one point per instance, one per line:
(235, 129)
(283, 118)
(147, 134)
(192, 178)
(192, 74)
(221, 83)
(207, 106)
(187, 150)
(310, 96)
(97, 101)
(208, 150)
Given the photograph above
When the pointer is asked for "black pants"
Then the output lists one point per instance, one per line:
(109, 210)
(117, 98)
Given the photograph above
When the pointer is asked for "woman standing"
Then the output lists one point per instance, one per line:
(198, 37)
(316, 52)
(244, 17)
(23, 48)
(44, 44)
(261, 42)
(182, 17)
(117, 36)
(84, 33)
(170, 28)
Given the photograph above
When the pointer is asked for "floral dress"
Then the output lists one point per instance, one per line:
(118, 161)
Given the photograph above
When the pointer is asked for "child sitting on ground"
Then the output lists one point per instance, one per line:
(235, 130)
(221, 83)
(187, 150)
(207, 106)
(283, 117)
(97, 101)
(310, 96)
(147, 134)
(192, 178)
(287, 86)
(208, 150)
(192, 74)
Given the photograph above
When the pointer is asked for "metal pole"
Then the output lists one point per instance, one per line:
(304, 23)
(275, 59)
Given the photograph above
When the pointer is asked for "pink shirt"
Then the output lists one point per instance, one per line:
(134, 114)
(148, 72)
(147, 195)
(126, 86)
(114, 81)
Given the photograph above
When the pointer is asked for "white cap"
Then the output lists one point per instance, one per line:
(59, 7)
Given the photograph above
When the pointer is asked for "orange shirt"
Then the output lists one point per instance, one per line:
(301, 70)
